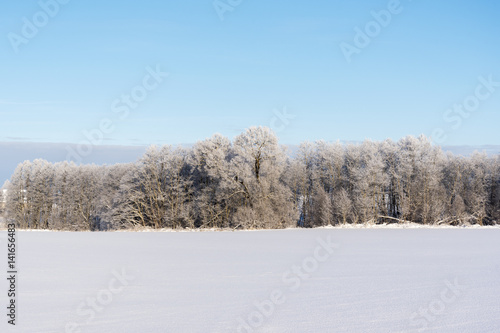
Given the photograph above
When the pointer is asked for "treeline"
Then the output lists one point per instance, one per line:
(253, 182)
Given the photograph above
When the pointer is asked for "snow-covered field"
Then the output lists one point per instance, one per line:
(321, 280)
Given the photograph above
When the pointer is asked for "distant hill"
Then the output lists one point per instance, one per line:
(491, 150)
(13, 153)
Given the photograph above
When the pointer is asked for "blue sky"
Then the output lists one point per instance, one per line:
(263, 58)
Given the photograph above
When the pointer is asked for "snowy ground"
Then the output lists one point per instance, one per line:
(371, 280)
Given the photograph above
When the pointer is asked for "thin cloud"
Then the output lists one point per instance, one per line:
(6, 102)
(20, 138)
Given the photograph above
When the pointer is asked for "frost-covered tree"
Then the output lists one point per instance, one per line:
(343, 206)
(420, 189)
(19, 209)
(3, 197)
(217, 191)
(257, 168)
(306, 178)
(322, 213)
(157, 191)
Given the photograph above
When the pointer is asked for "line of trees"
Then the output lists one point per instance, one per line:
(253, 182)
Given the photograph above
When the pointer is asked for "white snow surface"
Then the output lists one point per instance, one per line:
(373, 280)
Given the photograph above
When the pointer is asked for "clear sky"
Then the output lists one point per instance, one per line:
(262, 58)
